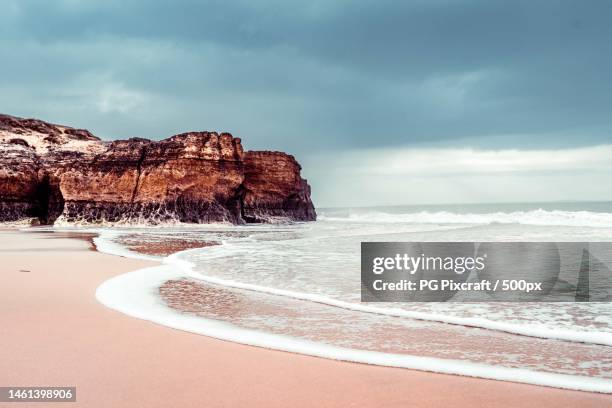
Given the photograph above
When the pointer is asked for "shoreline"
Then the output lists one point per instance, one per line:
(107, 355)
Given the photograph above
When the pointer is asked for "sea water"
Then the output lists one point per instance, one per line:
(296, 287)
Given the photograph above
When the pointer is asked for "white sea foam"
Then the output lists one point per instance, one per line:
(105, 242)
(534, 217)
(133, 223)
(24, 223)
(134, 294)
(603, 338)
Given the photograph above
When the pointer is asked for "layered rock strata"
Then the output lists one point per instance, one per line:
(50, 172)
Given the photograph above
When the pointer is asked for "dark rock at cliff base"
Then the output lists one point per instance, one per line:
(50, 172)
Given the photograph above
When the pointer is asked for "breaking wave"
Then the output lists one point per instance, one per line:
(534, 217)
(136, 293)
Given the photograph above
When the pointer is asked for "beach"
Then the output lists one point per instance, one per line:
(55, 333)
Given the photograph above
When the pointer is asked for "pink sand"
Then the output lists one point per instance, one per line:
(53, 332)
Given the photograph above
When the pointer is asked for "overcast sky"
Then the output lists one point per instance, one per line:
(345, 86)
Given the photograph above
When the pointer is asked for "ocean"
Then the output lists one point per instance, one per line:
(296, 287)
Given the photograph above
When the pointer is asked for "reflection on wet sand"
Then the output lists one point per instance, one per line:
(83, 236)
(346, 328)
(163, 247)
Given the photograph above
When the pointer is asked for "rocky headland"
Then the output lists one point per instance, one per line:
(52, 173)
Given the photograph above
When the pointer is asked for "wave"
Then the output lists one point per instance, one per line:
(534, 217)
(105, 243)
(130, 223)
(134, 294)
(592, 337)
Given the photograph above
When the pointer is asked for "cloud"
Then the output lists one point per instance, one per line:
(448, 175)
(117, 98)
(319, 76)
(435, 162)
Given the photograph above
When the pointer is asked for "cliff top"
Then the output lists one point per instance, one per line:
(45, 137)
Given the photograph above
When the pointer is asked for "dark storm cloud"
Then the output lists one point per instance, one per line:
(308, 76)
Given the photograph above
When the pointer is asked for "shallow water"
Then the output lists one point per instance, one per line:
(302, 281)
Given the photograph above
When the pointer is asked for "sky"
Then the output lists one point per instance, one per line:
(383, 103)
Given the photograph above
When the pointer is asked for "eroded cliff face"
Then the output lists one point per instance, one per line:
(273, 187)
(19, 167)
(55, 172)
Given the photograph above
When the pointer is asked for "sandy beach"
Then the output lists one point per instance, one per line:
(54, 333)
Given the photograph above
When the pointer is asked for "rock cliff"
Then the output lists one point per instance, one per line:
(50, 172)
(273, 187)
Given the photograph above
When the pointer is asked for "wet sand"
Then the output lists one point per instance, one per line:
(53, 332)
(161, 248)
